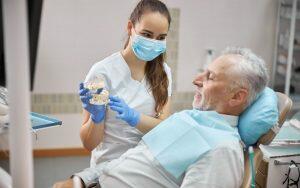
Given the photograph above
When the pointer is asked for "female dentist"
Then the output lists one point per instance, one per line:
(139, 83)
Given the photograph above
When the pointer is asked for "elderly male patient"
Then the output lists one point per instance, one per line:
(199, 147)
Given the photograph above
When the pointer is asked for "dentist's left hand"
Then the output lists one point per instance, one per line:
(130, 115)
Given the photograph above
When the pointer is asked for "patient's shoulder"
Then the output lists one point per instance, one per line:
(231, 149)
(231, 145)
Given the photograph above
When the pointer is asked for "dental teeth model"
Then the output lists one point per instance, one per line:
(100, 99)
(93, 85)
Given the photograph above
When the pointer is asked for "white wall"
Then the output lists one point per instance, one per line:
(77, 33)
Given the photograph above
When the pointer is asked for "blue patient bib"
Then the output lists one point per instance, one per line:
(184, 137)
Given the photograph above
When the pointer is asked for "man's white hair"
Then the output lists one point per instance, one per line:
(251, 70)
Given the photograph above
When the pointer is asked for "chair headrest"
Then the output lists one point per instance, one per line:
(284, 107)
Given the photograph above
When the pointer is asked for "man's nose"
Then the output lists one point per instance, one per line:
(198, 81)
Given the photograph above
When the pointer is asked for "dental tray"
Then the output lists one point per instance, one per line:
(39, 121)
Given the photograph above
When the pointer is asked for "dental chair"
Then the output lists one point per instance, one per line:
(284, 107)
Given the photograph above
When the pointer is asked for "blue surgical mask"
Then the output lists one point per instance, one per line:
(147, 49)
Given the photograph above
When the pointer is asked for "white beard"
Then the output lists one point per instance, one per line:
(196, 105)
(199, 103)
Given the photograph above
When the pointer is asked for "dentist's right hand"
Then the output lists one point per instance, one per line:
(97, 111)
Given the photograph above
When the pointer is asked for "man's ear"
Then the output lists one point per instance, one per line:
(239, 98)
(129, 27)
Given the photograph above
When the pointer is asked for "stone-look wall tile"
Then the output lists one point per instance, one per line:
(56, 103)
(172, 45)
(182, 101)
(69, 103)
(175, 13)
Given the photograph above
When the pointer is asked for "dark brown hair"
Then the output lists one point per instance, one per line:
(154, 70)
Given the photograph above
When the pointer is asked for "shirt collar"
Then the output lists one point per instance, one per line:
(232, 120)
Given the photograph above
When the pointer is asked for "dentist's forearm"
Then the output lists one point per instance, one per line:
(147, 123)
(91, 134)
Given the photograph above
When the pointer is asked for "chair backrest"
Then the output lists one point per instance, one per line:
(284, 107)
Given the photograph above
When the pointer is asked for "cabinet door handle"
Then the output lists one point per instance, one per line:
(277, 162)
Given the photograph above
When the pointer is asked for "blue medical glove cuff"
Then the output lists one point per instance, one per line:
(135, 118)
(96, 119)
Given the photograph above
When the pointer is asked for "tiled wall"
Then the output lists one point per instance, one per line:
(172, 45)
(180, 100)
(69, 103)
(56, 103)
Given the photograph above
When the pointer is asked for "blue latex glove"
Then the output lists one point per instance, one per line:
(97, 111)
(131, 116)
